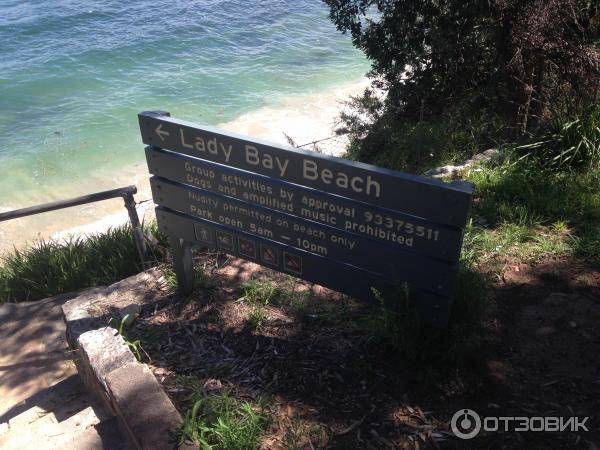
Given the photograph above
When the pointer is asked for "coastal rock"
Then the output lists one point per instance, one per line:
(483, 157)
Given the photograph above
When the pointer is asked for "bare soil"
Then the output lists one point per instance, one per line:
(331, 387)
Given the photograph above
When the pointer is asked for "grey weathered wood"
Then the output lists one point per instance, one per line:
(182, 263)
(345, 278)
(374, 256)
(136, 229)
(444, 203)
(338, 276)
(208, 176)
(219, 189)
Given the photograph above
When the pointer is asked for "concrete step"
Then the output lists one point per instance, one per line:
(64, 416)
(82, 433)
(33, 352)
(102, 436)
(43, 402)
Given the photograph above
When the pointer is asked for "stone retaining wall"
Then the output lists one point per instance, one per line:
(109, 369)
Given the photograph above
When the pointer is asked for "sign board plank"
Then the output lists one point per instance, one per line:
(342, 224)
(439, 202)
(377, 257)
(396, 230)
(337, 276)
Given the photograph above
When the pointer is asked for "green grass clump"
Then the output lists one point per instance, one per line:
(134, 344)
(256, 317)
(488, 248)
(395, 323)
(296, 302)
(258, 292)
(531, 211)
(49, 267)
(221, 422)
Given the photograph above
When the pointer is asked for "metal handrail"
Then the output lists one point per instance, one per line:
(125, 192)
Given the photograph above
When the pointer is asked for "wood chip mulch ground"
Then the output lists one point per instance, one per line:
(332, 388)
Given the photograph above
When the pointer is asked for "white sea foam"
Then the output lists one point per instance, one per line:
(304, 118)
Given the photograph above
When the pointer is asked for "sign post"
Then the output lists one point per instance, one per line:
(343, 224)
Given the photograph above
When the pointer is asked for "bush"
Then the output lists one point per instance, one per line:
(412, 148)
(378, 137)
(468, 65)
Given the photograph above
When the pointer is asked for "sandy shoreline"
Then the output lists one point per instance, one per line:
(305, 118)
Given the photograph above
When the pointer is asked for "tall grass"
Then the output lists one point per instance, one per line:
(51, 267)
(574, 142)
(256, 292)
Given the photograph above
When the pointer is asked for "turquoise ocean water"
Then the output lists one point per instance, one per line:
(74, 74)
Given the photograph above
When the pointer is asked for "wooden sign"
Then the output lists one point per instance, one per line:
(339, 223)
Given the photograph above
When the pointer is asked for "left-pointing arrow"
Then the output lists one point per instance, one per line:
(161, 133)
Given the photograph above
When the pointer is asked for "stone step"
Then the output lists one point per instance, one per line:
(62, 417)
(70, 436)
(103, 436)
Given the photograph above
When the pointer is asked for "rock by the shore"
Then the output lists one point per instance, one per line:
(483, 157)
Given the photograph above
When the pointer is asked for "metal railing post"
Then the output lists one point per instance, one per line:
(136, 228)
(126, 193)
